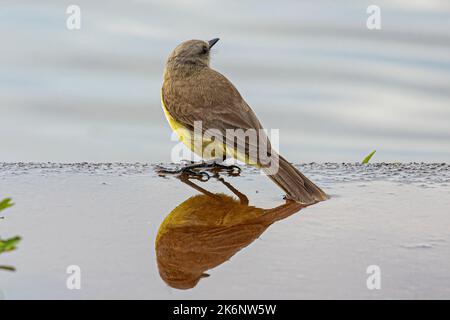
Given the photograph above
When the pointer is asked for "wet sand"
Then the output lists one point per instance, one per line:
(105, 218)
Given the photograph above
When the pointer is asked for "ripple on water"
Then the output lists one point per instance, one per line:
(418, 246)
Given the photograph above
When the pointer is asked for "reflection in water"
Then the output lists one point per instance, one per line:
(208, 229)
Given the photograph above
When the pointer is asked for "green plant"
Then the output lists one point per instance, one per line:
(6, 203)
(9, 244)
(367, 159)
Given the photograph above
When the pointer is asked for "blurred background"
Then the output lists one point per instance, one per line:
(312, 69)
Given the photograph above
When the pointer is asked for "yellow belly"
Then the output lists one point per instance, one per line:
(186, 135)
(189, 140)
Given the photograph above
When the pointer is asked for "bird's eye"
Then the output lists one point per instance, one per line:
(204, 50)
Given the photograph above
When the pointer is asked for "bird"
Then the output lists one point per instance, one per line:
(208, 229)
(193, 93)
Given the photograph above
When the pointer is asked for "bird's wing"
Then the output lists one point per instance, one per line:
(211, 98)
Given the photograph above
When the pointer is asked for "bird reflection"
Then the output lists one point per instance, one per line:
(207, 229)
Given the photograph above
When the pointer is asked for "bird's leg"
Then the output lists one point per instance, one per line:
(185, 179)
(242, 197)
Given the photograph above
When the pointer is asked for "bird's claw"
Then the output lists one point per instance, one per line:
(192, 171)
(185, 172)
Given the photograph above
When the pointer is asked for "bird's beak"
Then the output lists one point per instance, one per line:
(212, 42)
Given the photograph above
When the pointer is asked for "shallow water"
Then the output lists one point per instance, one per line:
(334, 89)
(105, 218)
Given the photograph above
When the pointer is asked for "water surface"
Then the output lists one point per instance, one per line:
(109, 220)
(335, 89)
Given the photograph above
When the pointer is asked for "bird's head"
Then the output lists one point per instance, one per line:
(192, 53)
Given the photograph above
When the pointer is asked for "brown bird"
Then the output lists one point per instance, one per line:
(194, 93)
(208, 229)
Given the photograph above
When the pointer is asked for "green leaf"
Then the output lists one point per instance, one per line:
(367, 159)
(9, 244)
(6, 203)
(8, 268)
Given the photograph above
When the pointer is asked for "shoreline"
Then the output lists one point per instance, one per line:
(431, 174)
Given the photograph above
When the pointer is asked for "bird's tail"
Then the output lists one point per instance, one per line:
(297, 187)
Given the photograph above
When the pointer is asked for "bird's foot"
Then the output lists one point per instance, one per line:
(189, 172)
(196, 170)
(215, 168)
